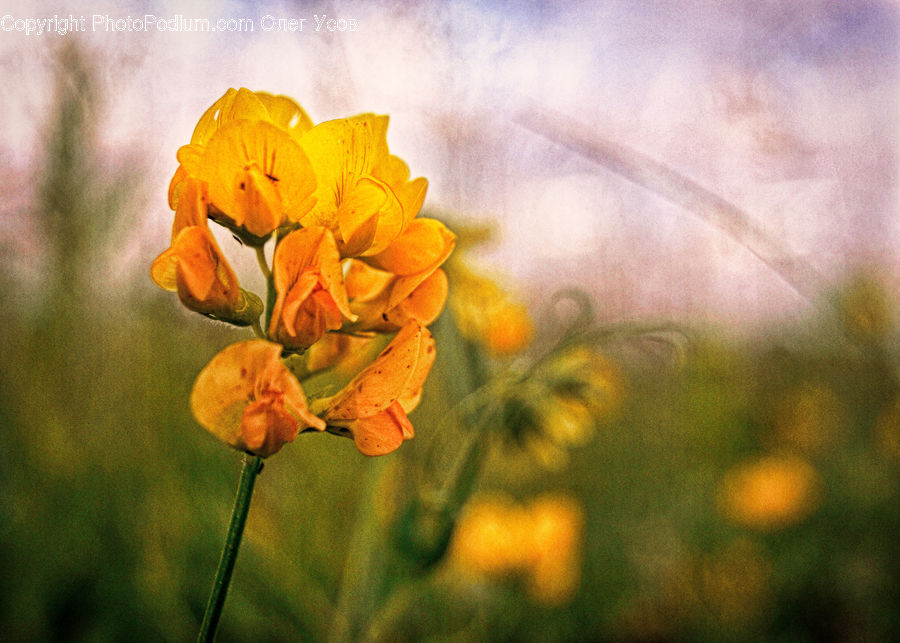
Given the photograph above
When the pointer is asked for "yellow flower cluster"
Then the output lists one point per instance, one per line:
(541, 543)
(350, 257)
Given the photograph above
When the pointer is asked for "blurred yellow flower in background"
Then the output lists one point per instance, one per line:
(557, 525)
(247, 398)
(490, 537)
(541, 543)
(311, 298)
(373, 407)
(567, 396)
(770, 493)
(489, 315)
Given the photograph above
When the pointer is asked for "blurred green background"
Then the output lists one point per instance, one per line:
(115, 503)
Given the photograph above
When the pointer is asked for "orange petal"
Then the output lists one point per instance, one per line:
(198, 260)
(382, 433)
(423, 304)
(306, 260)
(266, 426)
(398, 373)
(191, 209)
(424, 245)
(226, 390)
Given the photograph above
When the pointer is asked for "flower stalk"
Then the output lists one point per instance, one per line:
(252, 467)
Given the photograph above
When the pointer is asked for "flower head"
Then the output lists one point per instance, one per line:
(363, 193)
(311, 296)
(249, 399)
(245, 149)
(373, 407)
(196, 269)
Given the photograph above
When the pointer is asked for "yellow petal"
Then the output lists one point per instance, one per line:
(286, 114)
(234, 105)
(175, 186)
(342, 151)
(365, 283)
(190, 158)
(257, 175)
(164, 270)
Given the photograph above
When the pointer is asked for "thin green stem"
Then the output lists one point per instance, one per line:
(261, 260)
(257, 329)
(252, 467)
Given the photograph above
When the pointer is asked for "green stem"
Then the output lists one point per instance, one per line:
(252, 467)
(261, 260)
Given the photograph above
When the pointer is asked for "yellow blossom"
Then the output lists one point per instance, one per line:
(362, 192)
(195, 267)
(373, 407)
(249, 399)
(489, 315)
(539, 543)
(490, 537)
(556, 532)
(258, 176)
(773, 492)
(311, 299)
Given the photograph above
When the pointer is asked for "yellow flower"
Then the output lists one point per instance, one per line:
(257, 174)
(311, 300)
(373, 407)
(195, 267)
(771, 493)
(539, 543)
(564, 398)
(489, 315)
(491, 537)
(406, 281)
(247, 397)
(556, 533)
(362, 192)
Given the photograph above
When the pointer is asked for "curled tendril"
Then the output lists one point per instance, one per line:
(583, 317)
